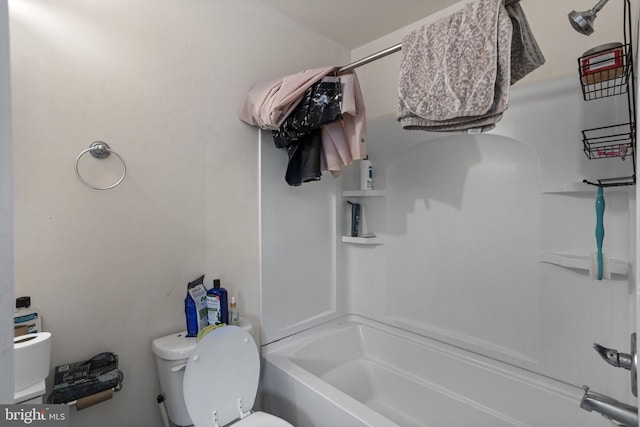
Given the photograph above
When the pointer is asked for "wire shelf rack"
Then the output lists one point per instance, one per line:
(609, 141)
(608, 71)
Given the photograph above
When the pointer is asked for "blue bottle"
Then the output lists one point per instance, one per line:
(217, 304)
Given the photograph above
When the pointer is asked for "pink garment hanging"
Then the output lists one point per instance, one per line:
(269, 103)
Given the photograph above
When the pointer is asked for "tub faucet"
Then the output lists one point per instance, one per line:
(610, 408)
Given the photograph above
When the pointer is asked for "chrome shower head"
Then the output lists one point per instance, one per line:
(582, 22)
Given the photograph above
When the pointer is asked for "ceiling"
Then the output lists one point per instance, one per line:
(353, 23)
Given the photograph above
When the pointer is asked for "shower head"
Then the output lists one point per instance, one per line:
(582, 22)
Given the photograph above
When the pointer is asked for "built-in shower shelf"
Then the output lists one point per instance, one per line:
(583, 262)
(363, 240)
(364, 193)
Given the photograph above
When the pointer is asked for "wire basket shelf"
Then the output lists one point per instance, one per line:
(609, 141)
(606, 73)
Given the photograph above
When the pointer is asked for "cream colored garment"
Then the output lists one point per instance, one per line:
(456, 72)
(345, 141)
(269, 103)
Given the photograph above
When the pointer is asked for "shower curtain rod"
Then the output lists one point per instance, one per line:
(370, 58)
(386, 52)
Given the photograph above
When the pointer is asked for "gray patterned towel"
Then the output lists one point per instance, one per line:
(455, 73)
(526, 55)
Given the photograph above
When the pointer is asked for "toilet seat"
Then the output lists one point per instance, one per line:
(221, 379)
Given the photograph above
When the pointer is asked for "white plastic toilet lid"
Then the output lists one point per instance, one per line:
(224, 367)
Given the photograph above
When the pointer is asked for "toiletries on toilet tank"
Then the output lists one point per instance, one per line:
(234, 314)
(26, 319)
(366, 174)
(217, 304)
(195, 306)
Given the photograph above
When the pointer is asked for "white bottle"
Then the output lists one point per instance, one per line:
(234, 314)
(366, 174)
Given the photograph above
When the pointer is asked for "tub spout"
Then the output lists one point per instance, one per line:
(609, 408)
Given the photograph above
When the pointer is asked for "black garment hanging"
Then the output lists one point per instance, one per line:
(304, 159)
(300, 132)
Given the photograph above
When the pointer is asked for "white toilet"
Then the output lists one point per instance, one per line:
(214, 382)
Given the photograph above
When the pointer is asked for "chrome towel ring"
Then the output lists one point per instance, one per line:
(100, 150)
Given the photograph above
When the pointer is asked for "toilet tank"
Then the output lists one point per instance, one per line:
(172, 353)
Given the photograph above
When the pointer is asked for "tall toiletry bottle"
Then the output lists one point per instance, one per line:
(217, 304)
(234, 314)
(366, 174)
(355, 218)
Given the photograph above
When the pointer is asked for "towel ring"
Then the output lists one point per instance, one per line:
(100, 150)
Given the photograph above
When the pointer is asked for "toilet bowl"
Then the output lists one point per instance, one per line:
(212, 383)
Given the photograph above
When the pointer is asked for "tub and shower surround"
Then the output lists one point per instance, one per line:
(480, 261)
(474, 238)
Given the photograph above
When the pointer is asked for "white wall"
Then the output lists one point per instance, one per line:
(161, 82)
(6, 216)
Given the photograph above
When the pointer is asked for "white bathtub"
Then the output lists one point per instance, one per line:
(356, 372)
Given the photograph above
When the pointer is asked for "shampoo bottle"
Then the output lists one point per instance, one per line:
(217, 304)
(355, 219)
(366, 174)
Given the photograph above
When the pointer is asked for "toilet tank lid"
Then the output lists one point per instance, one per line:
(174, 347)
